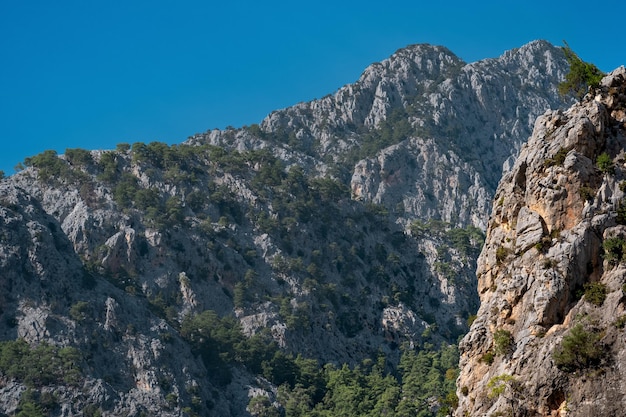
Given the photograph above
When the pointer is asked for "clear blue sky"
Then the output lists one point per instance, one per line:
(92, 74)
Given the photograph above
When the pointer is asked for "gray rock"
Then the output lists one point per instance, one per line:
(530, 229)
(534, 295)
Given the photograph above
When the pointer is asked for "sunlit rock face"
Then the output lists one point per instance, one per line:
(454, 127)
(549, 337)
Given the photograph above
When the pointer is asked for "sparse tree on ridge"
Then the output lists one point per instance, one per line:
(581, 75)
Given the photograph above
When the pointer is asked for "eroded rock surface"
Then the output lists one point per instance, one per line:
(548, 261)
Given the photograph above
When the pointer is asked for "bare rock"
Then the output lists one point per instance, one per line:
(553, 218)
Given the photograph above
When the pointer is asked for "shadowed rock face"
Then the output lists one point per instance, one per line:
(109, 251)
(549, 242)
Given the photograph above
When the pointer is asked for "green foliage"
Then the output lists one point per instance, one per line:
(108, 165)
(605, 163)
(49, 166)
(36, 404)
(78, 157)
(587, 193)
(368, 391)
(579, 349)
(488, 358)
(349, 323)
(503, 342)
(557, 159)
(79, 311)
(221, 344)
(329, 189)
(620, 322)
(125, 190)
(160, 305)
(466, 241)
(214, 339)
(614, 250)
(394, 129)
(544, 244)
(306, 389)
(146, 199)
(173, 211)
(261, 406)
(620, 212)
(376, 210)
(122, 147)
(292, 207)
(501, 254)
(427, 374)
(160, 155)
(581, 75)
(595, 293)
(42, 365)
(498, 385)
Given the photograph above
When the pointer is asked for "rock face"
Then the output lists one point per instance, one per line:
(340, 230)
(47, 296)
(548, 339)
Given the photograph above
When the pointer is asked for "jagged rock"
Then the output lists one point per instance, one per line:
(552, 218)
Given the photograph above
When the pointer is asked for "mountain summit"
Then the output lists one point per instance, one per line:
(259, 270)
(458, 122)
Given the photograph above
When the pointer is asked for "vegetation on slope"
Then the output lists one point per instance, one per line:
(581, 75)
(422, 385)
(349, 259)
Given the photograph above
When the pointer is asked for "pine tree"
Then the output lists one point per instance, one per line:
(581, 75)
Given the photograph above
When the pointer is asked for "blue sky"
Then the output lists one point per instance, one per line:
(92, 74)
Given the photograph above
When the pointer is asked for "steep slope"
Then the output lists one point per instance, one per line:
(92, 346)
(549, 338)
(337, 231)
(175, 237)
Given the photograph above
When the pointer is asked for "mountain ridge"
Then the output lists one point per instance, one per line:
(312, 237)
(379, 99)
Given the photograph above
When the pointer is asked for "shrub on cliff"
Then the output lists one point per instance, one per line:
(579, 349)
(503, 341)
(614, 250)
(580, 77)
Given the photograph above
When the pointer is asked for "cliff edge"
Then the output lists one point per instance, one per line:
(549, 336)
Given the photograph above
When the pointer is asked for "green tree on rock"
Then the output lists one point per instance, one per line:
(581, 75)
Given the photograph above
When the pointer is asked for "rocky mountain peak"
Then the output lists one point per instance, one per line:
(548, 335)
(427, 104)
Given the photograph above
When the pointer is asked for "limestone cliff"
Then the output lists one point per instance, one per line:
(548, 339)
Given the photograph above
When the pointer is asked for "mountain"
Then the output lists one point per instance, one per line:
(458, 122)
(549, 335)
(249, 270)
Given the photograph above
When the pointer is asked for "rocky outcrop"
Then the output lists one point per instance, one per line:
(418, 180)
(549, 339)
